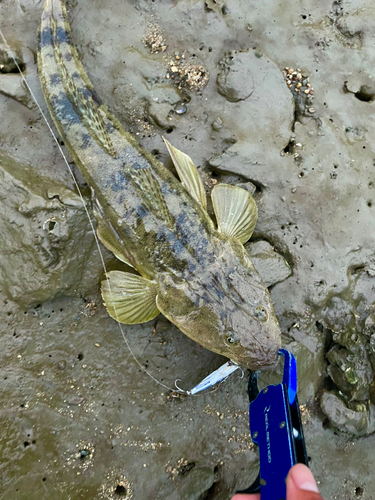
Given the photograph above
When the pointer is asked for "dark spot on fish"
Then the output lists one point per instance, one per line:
(86, 138)
(142, 211)
(64, 109)
(61, 35)
(161, 238)
(117, 181)
(54, 79)
(45, 37)
(177, 247)
(191, 267)
(57, 101)
(181, 219)
(202, 247)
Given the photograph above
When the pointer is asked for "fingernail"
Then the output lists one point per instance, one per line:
(303, 478)
(309, 487)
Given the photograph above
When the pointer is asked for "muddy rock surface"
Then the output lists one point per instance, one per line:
(277, 98)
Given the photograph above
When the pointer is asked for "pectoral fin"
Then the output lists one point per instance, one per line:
(107, 234)
(236, 211)
(188, 174)
(129, 298)
(110, 239)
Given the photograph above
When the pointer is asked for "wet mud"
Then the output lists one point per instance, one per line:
(277, 98)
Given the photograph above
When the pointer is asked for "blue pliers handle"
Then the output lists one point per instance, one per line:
(276, 427)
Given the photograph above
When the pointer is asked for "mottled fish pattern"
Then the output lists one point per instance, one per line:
(197, 276)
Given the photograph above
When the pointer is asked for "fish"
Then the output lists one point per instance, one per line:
(194, 271)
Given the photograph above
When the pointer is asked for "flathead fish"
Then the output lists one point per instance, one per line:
(196, 273)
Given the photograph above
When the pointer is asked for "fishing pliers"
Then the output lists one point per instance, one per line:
(276, 427)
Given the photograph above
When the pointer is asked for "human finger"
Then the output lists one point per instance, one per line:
(301, 485)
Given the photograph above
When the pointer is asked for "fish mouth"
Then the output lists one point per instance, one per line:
(267, 360)
(259, 365)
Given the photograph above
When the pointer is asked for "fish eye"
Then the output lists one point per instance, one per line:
(231, 339)
(261, 314)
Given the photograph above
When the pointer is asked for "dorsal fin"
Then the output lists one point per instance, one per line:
(152, 195)
(188, 174)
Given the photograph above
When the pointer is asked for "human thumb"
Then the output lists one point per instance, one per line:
(301, 485)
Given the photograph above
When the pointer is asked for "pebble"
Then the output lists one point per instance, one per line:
(61, 365)
(97, 344)
(235, 78)
(312, 110)
(75, 400)
(180, 109)
(217, 123)
(271, 266)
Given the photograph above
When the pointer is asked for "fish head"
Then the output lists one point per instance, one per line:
(225, 307)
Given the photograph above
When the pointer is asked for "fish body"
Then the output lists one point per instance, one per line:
(198, 276)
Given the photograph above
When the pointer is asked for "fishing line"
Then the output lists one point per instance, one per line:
(181, 391)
